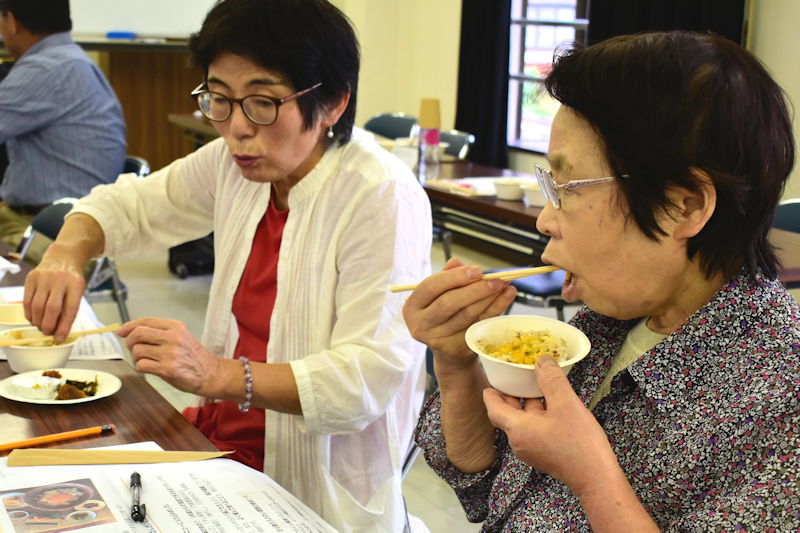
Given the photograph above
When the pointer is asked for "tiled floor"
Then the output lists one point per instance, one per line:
(154, 291)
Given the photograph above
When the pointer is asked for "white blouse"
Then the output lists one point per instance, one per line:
(358, 223)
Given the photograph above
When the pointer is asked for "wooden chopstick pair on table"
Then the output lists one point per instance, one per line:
(506, 275)
(46, 338)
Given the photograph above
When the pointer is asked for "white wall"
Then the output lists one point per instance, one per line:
(409, 51)
(774, 39)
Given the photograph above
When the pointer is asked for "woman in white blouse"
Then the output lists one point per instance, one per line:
(305, 366)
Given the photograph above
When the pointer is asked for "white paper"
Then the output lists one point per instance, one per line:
(101, 346)
(214, 496)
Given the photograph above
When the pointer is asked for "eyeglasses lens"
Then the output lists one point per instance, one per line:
(260, 110)
(547, 185)
(218, 108)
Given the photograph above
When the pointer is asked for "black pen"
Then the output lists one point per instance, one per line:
(138, 510)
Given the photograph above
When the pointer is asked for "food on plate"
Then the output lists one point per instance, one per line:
(90, 505)
(13, 500)
(36, 387)
(526, 347)
(69, 392)
(89, 388)
(60, 496)
(52, 385)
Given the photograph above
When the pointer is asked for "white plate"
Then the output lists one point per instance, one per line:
(107, 384)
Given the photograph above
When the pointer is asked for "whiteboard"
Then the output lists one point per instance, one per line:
(174, 19)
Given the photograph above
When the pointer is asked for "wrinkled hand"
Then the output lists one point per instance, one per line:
(167, 349)
(559, 436)
(445, 304)
(53, 292)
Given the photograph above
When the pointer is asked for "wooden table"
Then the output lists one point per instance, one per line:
(138, 411)
(508, 226)
(198, 129)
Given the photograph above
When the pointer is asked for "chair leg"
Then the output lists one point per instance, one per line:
(447, 238)
(119, 295)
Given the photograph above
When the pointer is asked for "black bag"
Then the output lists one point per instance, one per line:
(192, 258)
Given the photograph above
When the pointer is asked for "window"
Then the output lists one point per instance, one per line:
(538, 27)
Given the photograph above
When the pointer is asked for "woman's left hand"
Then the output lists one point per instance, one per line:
(167, 349)
(558, 435)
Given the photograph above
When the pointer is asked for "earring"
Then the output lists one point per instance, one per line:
(330, 132)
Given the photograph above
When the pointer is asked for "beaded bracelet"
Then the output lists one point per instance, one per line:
(248, 386)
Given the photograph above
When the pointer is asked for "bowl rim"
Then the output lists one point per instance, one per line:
(6, 332)
(584, 350)
(508, 181)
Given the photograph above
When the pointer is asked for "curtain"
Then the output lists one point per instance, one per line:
(482, 100)
(608, 18)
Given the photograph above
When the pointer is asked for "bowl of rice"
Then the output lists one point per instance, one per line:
(37, 355)
(508, 347)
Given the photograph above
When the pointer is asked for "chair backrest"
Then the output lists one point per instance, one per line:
(458, 142)
(393, 125)
(787, 216)
(137, 165)
(49, 220)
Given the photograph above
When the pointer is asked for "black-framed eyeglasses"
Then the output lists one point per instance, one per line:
(259, 109)
(550, 188)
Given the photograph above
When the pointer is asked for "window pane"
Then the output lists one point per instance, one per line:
(530, 109)
(533, 117)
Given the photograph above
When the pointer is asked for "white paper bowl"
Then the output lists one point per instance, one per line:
(12, 316)
(534, 195)
(517, 379)
(508, 189)
(25, 358)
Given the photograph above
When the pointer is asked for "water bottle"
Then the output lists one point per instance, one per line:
(429, 123)
(428, 166)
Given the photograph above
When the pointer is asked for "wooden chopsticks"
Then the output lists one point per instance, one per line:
(45, 338)
(506, 275)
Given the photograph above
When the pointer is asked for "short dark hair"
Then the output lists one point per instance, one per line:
(309, 41)
(40, 16)
(665, 103)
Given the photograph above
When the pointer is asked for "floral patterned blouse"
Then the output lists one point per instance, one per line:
(705, 425)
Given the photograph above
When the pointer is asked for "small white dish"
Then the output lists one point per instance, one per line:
(517, 379)
(508, 189)
(534, 195)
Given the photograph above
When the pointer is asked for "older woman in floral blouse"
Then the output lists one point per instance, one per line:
(684, 415)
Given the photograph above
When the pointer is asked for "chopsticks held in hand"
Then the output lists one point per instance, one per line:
(506, 275)
(46, 338)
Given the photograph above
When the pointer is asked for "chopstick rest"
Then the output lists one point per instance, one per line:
(506, 275)
(51, 456)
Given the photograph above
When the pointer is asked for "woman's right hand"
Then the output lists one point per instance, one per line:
(53, 292)
(445, 304)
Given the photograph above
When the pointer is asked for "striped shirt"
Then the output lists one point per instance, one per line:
(61, 122)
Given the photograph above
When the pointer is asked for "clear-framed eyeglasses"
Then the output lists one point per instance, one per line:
(259, 109)
(551, 189)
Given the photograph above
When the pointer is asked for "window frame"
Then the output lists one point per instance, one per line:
(517, 51)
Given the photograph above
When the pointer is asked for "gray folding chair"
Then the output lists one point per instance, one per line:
(393, 125)
(458, 142)
(102, 281)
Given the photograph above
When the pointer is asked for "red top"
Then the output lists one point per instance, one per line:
(221, 422)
